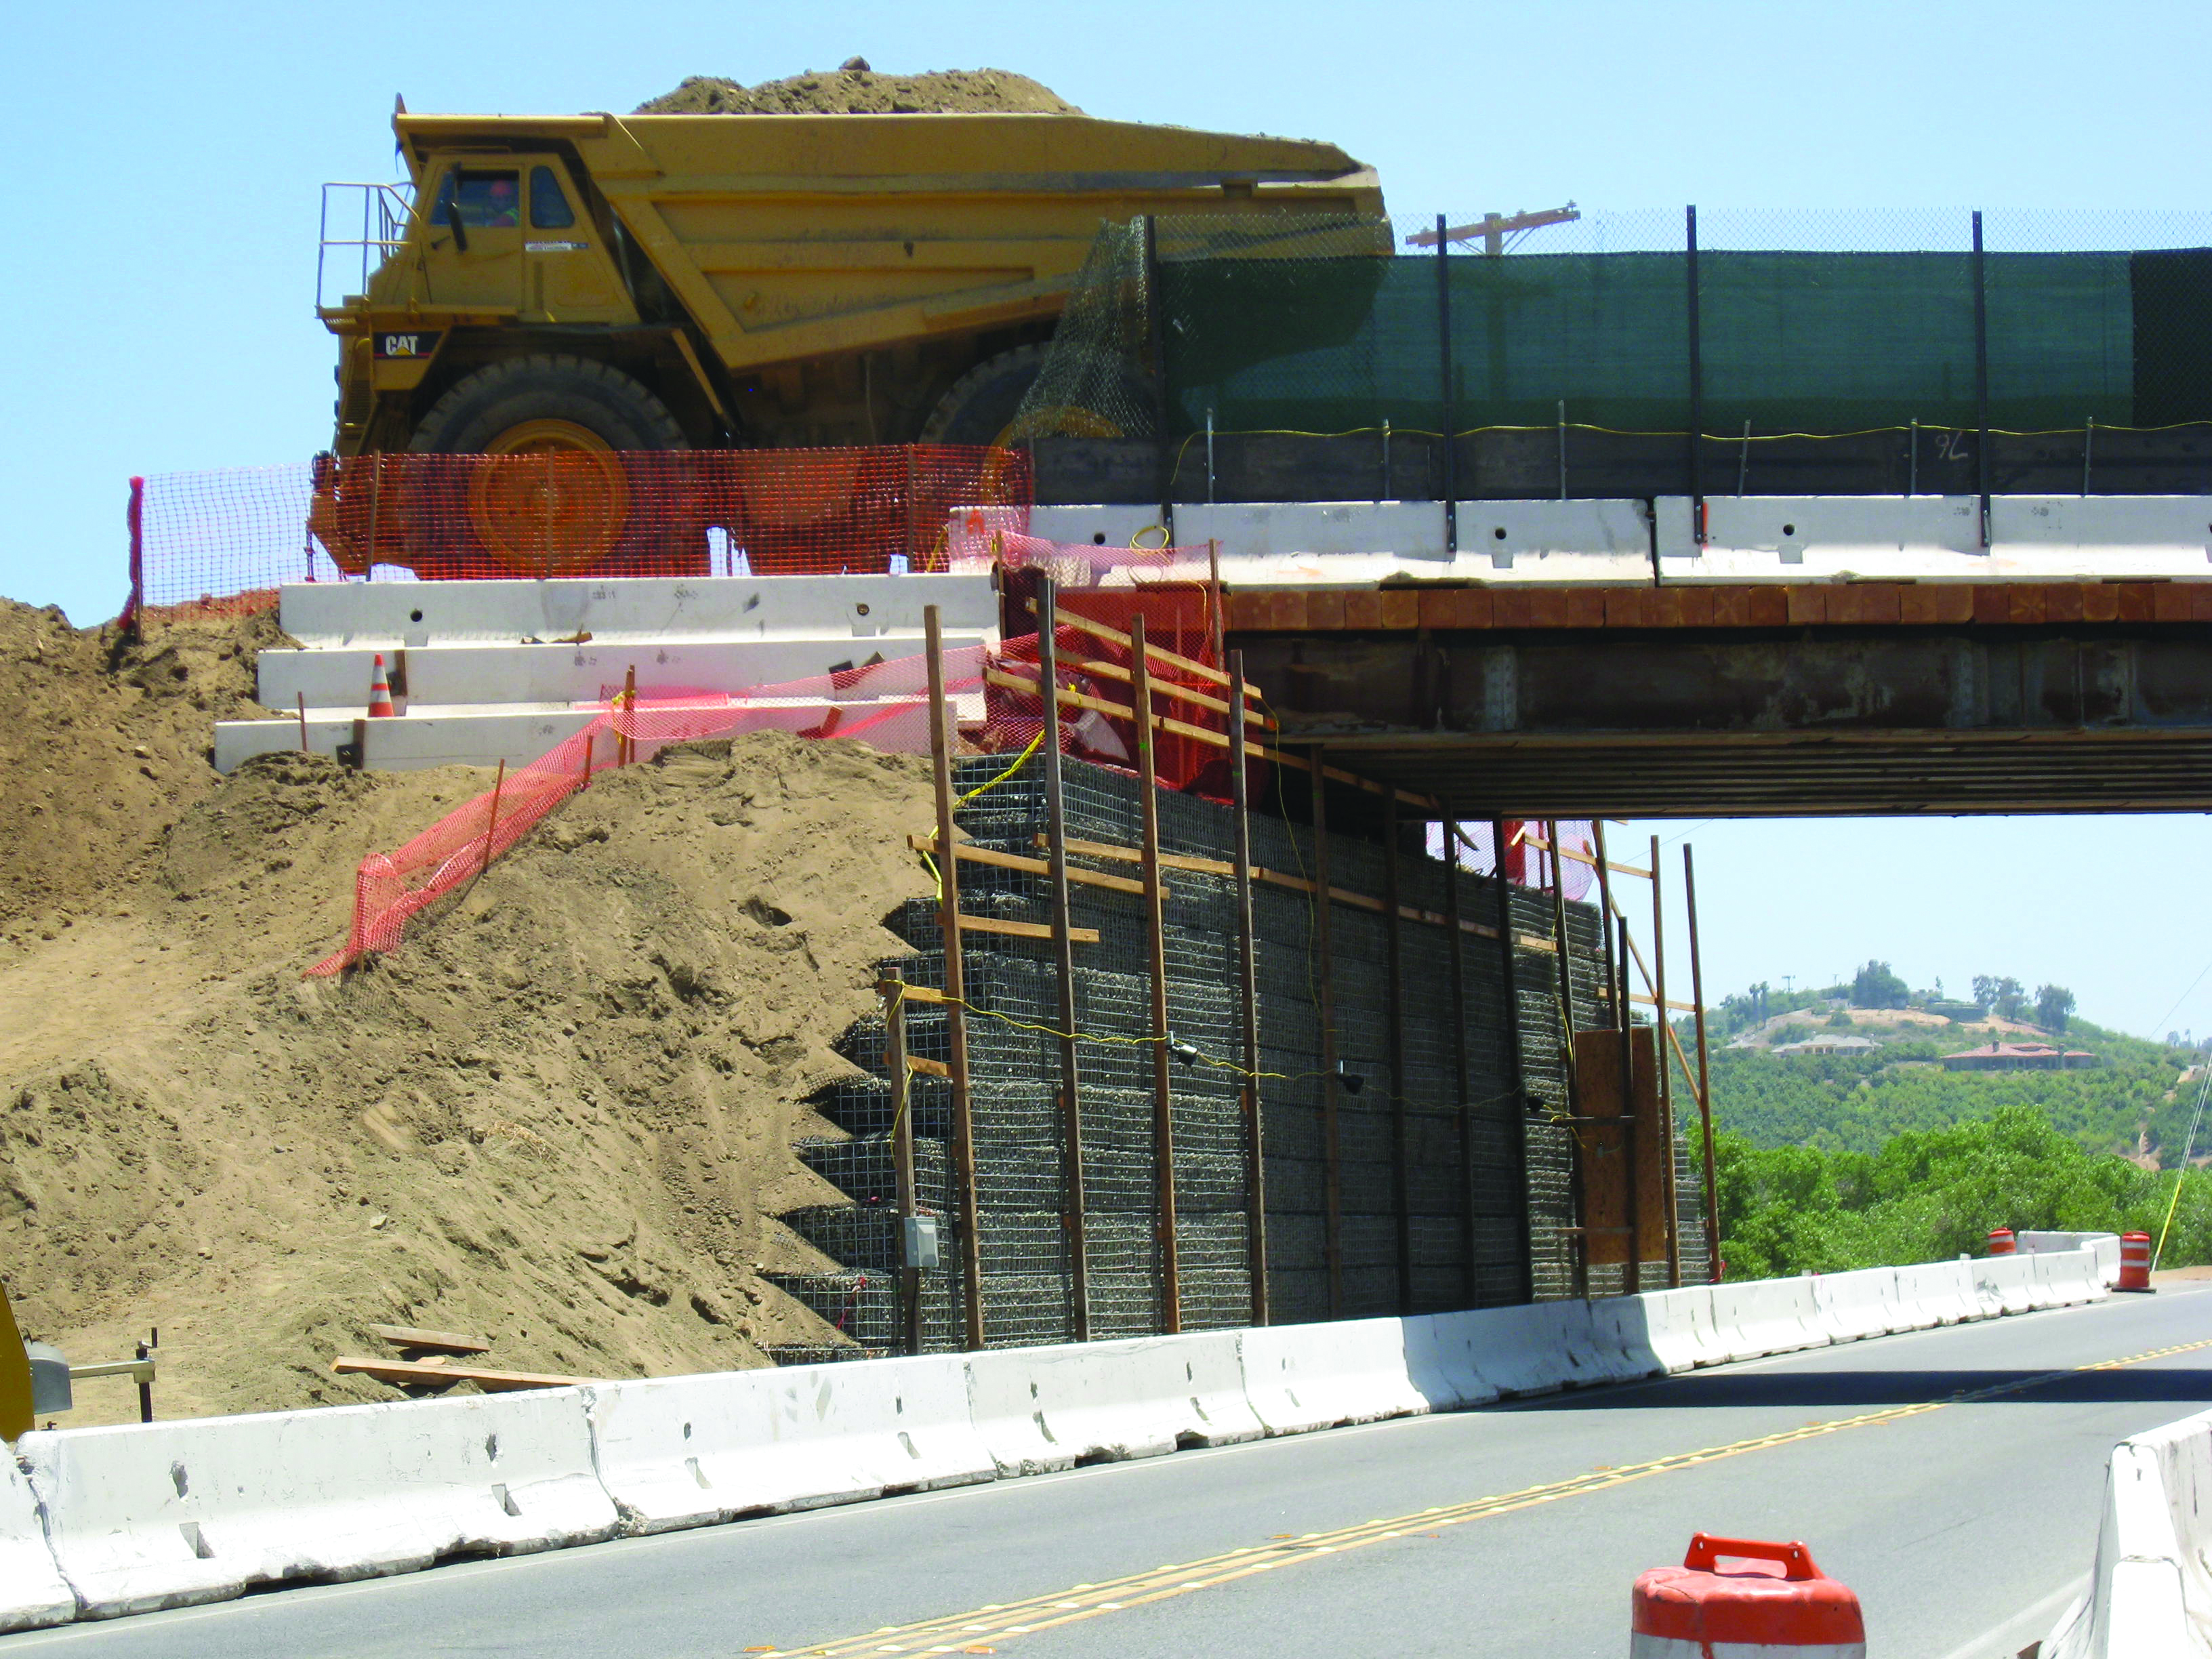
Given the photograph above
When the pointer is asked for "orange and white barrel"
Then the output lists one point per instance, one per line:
(2002, 1242)
(2134, 1261)
(1772, 1601)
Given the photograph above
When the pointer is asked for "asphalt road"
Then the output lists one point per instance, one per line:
(1965, 1525)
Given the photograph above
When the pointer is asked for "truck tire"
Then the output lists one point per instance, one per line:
(979, 407)
(588, 509)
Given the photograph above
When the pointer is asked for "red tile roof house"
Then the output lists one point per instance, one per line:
(2019, 1057)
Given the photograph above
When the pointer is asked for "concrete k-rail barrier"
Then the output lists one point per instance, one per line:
(2150, 1596)
(97, 1523)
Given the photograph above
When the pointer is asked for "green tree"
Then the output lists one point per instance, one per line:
(2054, 1006)
(1876, 987)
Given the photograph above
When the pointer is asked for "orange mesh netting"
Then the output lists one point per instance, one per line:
(228, 540)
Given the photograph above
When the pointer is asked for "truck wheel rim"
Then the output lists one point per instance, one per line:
(549, 499)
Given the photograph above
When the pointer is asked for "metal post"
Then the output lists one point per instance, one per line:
(1325, 996)
(1666, 1096)
(1982, 374)
(1912, 459)
(1213, 599)
(1630, 1141)
(1256, 1197)
(1516, 1078)
(1209, 454)
(1385, 495)
(1141, 700)
(1743, 461)
(2088, 451)
(1450, 473)
(1157, 339)
(1562, 449)
(1456, 937)
(1697, 388)
(1063, 948)
(895, 1062)
(1704, 1072)
(1564, 1036)
(1394, 990)
(146, 1350)
(956, 981)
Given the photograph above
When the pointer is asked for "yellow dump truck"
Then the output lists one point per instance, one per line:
(602, 282)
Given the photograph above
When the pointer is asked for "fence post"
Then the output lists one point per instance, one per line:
(1516, 1078)
(1660, 1034)
(133, 620)
(1148, 794)
(1394, 989)
(956, 983)
(1697, 385)
(1631, 1125)
(1325, 994)
(1704, 1073)
(1157, 339)
(1063, 949)
(1565, 1038)
(1444, 396)
(1256, 1199)
(895, 1061)
(1982, 375)
(1456, 936)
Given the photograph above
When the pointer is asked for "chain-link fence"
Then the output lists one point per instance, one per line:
(1857, 353)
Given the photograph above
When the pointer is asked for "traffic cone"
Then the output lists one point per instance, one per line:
(1777, 1603)
(379, 692)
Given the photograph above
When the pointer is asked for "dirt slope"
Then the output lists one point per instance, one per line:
(862, 92)
(559, 1118)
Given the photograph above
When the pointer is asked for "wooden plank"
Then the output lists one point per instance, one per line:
(955, 988)
(1255, 1180)
(1120, 676)
(896, 1062)
(921, 1066)
(1153, 653)
(909, 993)
(1029, 866)
(1022, 929)
(411, 1336)
(1325, 1006)
(411, 1370)
(1401, 608)
(1061, 878)
(1156, 947)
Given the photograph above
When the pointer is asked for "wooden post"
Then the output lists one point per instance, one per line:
(491, 828)
(1063, 950)
(626, 747)
(1394, 989)
(1141, 700)
(1704, 1072)
(1454, 936)
(895, 1062)
(1516, 1078)
(1256, 1190)
(1565, 1038)
(302, 697)
(1666, 1095)
(591, 752)
(1631, 1142)
(1614, 981)
(1213, 595)
(956, 983)
(1325, 1009)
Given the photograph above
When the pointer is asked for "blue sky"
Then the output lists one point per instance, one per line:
(161, 258)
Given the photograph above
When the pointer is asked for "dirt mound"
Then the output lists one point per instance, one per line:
(861, 91)
(106, 743)
(560, 1118)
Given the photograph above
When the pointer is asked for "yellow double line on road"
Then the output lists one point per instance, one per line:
(978, 1631)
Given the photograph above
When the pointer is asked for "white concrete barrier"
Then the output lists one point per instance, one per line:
(163, 1514)
(1932, 1293)
(689, 1451)
(1041, 1409)
(1681, 1332)
(2005, 1283)
(2104, 1246)
(1621, 1328)
(2150, 1595)
(2069, 1278)
(381, 616)
(1762, 1316)
(31, 1592)
(1537, 1348)
(1298, 1377)
(1858, 1304)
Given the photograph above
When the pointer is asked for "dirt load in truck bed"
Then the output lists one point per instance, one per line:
(560, 1118)
(860, 91)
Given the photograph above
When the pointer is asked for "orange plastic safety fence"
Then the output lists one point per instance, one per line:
(228, 540)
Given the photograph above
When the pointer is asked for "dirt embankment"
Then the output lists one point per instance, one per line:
(856, 89)
(559, 1118)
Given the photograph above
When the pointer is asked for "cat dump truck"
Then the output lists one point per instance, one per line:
(581, 285)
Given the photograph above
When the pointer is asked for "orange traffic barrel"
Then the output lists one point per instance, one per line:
(1772, 1600)
(379, 692)
(2002, 1242)
(2134, 1261)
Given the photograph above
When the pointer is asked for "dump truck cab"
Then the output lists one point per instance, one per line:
(655, 282)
